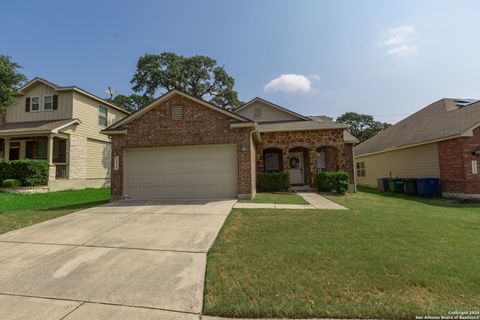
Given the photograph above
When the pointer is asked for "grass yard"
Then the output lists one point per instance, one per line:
(388, 257)
(277, 197)
(18, 211)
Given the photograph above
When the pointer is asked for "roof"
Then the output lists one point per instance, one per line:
(50, 126)
(441, 120)
(300, 126)
(118, 126)
(69, 88)
(273, 105)
(348, 137)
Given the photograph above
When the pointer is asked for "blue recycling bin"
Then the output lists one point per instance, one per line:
(428, 187)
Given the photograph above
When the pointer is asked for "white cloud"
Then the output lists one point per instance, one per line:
(292, 83)
(400, 42)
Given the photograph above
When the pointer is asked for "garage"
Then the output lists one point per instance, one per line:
(206, 171)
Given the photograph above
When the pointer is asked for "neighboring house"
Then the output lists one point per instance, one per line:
(61, 125)
(180, 146)
(441, 141)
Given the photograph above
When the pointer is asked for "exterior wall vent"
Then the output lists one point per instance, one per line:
(177, 112)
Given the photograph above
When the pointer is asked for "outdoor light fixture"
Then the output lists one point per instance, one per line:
(476, 152)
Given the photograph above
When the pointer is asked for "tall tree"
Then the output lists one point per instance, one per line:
(10, 80)
(132, 102)
(199, 76)
(362, 126)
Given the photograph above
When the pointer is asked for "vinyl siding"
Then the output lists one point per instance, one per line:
(86, 109)
(414, 162)
(16, 112)
(268, 113)
(98, 159)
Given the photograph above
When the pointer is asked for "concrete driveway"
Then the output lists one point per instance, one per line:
(124, 260)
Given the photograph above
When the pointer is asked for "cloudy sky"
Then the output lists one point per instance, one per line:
(385, 58)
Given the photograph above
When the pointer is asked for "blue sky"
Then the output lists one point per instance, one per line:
(386, 58)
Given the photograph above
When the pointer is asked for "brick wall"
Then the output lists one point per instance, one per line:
(200, 126)
(455, 157)
(349, 162)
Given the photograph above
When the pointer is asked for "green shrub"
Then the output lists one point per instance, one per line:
(29, 172)
(274, 181)
(332, 181)
(12, 183)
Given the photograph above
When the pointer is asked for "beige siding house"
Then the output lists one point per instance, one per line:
(61, 125)
(440, 141)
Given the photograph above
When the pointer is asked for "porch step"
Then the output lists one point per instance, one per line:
(300, 188)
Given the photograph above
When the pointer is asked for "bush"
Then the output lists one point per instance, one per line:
(332, 181)
(274, 181)
(29, 172)
(12, 183)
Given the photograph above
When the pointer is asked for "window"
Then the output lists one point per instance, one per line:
(59, 150)
(37, 149)
(177, 112)
(35, 104)
(361, 169)
(321, 161)
(102, 116)
(272, 160)
(258, 113)
(48, 103)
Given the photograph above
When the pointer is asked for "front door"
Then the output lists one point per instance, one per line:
(295, 163)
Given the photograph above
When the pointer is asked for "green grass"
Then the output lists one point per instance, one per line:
(18, 211)
(277, 197)
(388, 257)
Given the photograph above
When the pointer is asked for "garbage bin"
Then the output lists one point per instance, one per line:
(382, 184)
(396, 185)
(410, 186)
(428, 187)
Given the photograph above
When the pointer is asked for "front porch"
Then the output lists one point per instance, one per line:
(51, 148)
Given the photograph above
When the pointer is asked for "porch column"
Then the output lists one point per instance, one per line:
(52, 169)
(6, 154)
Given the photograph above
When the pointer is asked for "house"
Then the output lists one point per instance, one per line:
(61, 125)
(441, 141)
(181, 146)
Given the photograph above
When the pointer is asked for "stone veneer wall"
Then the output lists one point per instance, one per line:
(309, 140)
(200, 126)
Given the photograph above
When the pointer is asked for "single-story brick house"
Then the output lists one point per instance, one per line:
(440, 141)
(181, 146)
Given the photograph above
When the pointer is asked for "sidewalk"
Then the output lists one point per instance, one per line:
(315, 201)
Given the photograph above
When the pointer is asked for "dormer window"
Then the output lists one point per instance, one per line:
(35, 104)
(258, 113)
(102, 116)
(48, 103)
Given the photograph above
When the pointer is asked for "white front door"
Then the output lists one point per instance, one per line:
(295, 164)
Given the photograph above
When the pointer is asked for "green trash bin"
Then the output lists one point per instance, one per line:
(396, 185)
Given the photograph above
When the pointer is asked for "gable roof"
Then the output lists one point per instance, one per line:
(114, 127)
(68, 88)
(273, 105)
(299, 126)
(442, 120)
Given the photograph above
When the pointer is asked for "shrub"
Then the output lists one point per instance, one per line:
(274, 181)
(332, 181)
(29, 172)
(12, 183)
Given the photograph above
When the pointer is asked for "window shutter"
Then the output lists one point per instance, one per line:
(27, 104)
(55, 102)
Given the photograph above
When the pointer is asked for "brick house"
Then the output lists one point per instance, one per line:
(180, 146)
(441, 141)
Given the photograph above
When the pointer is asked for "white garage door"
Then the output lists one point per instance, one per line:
(181, 172)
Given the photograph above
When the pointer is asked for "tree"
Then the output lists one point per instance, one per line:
(198, 75)
(362, 126)
(10, 80)
(132, 102)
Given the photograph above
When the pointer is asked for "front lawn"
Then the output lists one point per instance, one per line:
(277, 197)
(18, 211)
(387, 257)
